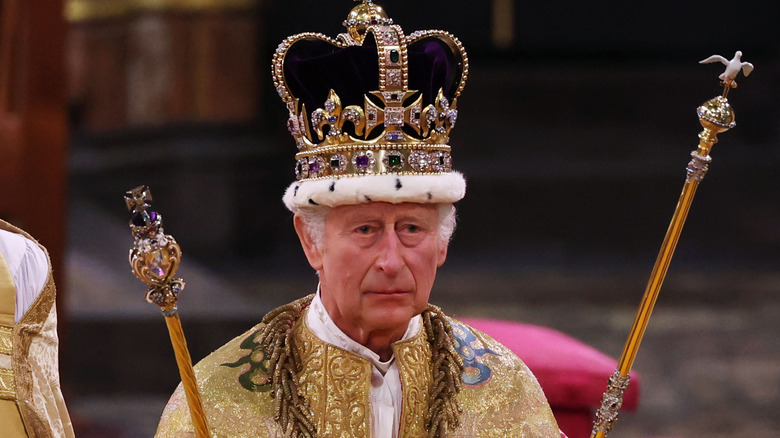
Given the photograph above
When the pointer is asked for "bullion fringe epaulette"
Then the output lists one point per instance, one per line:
(292, 410)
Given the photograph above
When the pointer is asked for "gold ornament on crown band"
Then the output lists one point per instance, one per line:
(715, 116)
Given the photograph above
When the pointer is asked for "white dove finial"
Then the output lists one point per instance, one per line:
(732, 68)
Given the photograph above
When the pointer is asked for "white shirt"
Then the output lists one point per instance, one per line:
(29, 269)
(385, 393)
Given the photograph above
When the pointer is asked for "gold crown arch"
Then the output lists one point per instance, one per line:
(391, 108)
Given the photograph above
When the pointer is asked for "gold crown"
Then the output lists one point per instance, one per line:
(366, 119)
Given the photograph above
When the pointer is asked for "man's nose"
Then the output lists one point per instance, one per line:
(390, 258)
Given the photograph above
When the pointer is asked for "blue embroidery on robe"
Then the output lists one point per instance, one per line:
(475, 373)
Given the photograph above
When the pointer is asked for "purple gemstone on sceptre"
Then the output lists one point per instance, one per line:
(152, 216)
(139, 219)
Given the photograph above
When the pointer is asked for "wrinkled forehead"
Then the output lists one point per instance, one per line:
(384, 211)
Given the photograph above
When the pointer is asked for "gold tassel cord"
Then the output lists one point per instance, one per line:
(292, 411)
(187, 375)
(444, 410)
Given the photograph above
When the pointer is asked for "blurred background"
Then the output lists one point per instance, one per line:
(574, 131)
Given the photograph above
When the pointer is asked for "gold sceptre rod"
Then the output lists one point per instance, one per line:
(155, 258)
(716, 116)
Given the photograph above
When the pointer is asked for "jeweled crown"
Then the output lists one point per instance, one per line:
(372, 101)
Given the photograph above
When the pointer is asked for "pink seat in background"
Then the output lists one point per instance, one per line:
(573, 375)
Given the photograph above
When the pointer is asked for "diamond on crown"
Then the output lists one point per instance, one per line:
(352, 115)
(393, 96)
(394, 78)
(420, 161)
(415, 113)
(302, 169)
(441, 161)
(330, 105)
(394, 116)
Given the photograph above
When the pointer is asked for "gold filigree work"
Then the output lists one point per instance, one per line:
(7, 384)
(6, 340)
(336, 385)
(416, 373)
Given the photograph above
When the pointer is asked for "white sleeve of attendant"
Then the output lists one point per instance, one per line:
(31, 278)
(29, 269)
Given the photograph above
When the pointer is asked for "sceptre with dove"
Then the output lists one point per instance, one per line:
(715, 116)
(733, 66)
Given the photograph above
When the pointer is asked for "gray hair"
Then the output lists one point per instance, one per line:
(314, 220)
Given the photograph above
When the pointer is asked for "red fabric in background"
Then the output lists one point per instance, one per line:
(572, 374)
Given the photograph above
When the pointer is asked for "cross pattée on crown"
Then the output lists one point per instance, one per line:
(393, 92)
(393, 88)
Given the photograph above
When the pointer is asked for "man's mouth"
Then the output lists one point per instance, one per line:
(387, 292)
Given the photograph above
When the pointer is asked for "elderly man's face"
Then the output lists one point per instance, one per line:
(377, 264)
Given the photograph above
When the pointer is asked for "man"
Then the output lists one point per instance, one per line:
(366, 355)
(31, 403)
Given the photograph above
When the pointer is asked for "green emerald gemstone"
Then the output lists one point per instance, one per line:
(394, 160)
(335, 163)
(394, 56)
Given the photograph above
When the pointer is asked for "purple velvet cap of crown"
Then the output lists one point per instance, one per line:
(313, 67)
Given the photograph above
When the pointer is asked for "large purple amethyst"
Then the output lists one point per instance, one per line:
(361, 161)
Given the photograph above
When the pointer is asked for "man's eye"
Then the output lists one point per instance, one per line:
(413, 228)
(365, 229)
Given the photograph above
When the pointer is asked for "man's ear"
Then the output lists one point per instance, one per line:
(442, 256)
(310, 248)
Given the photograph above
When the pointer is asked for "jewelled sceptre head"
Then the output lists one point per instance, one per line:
(716, 116)
(155, 258)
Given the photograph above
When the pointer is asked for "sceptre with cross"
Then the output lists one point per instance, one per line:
(155, 258)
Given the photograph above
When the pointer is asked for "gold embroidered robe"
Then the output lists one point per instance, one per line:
(31, 402)
(500, 396)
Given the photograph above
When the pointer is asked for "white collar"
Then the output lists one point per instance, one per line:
(322, 325)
